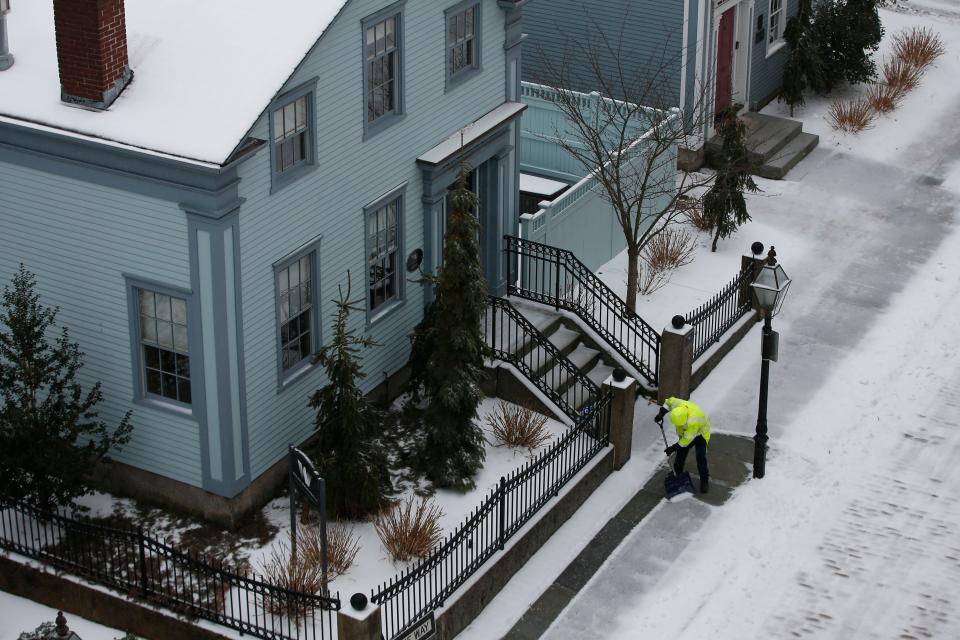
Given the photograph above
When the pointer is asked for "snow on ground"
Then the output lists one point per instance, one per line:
(20, 614)
(373, 565)
(852, 534)
(899, 138)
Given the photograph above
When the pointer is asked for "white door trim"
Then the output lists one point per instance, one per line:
(740, 72)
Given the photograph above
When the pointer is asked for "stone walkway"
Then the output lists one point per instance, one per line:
(729, 457)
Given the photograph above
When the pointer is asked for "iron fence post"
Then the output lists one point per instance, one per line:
(494, 310)
(141, 541)
(503, 511)
(556, 290)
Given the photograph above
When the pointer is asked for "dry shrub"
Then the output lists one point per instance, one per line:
(409, 531)
(901, 75)
(691, 210)
(293, 574)
(883, 98)
(518, 426)
(342, 547)
(852, 116)
(918, 47)
(652, 279)
(670, 249)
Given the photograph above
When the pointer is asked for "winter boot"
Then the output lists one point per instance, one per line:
(704, 485)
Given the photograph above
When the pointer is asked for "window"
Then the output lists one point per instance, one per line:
(777, 16)
(292, 135)
(462, 40)
(291, 142)
(164, 346)
(383, 247)
(382, 67)
(295, 296)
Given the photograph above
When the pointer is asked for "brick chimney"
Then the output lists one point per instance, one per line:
(91, 51)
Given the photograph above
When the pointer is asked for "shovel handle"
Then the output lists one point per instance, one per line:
(663, 434)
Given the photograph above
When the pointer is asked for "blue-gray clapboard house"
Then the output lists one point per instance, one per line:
(192, 182)
(699, 55)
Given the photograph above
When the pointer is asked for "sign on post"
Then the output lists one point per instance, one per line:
(423, 629)
(305, 481)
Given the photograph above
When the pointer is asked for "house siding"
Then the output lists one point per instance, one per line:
(80, 239)
(766, 75)
(651, 33)
(328, 203)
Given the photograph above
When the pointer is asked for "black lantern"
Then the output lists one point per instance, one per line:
(770, 288)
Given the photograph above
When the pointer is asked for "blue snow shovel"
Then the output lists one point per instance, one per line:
(674, 485)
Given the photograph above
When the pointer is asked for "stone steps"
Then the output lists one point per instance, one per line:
(568, 339)
(775, 145)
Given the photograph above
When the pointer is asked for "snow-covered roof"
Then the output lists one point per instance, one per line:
(204, 70)
(530, 183)
(473, 131)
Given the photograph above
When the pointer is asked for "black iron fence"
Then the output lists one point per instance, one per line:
(514, 339)
(713, 318)
(145, 568)
(426, 585)
(555, 277)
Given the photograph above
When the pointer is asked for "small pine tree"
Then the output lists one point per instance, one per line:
(724, 207)
(447, 353)
(846, 33)
(50, 434)
(864, 33)
(803, 67)
(348, 451)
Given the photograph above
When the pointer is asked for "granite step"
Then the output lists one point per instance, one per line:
(787, 158)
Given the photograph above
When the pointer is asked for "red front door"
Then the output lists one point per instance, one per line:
(725, 60)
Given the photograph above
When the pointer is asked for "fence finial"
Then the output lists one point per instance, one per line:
(63, 631)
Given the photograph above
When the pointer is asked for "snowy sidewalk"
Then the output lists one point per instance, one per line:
(672, 525)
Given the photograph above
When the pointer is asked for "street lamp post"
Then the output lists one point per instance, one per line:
(6, 58)
(769, 290)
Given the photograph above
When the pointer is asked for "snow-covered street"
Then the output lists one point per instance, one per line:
(853, 533)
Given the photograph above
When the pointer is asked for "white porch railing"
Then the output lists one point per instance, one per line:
(580, 219)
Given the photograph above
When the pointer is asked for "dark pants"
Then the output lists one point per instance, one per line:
(681, 459)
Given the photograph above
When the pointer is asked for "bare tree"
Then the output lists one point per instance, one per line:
(628, 135)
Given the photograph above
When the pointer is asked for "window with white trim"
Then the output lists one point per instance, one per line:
(462, 40)
(295, 292)
(777, 23)
(164, 346)
(383, 246)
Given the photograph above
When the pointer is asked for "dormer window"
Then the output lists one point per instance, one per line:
(291, 136)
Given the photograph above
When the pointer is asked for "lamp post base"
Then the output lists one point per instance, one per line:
(759, 455)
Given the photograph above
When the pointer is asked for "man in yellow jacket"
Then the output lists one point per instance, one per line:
(693, 428)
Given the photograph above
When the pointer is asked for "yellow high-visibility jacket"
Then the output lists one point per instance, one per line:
(697, 422)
